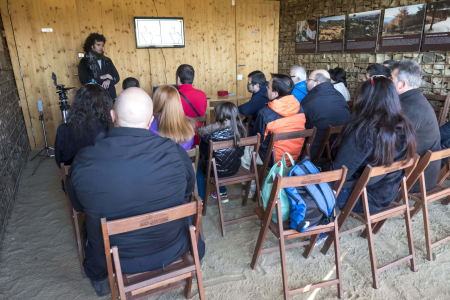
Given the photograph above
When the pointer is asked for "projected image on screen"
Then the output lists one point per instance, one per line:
(159, 32)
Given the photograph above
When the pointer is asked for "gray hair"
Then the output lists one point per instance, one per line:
(299, 72)
(410, 72)
(322, 78)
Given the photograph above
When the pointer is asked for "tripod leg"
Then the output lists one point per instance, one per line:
(40, 160)
(38, 154)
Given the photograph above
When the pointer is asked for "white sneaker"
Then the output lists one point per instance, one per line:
(252, 191)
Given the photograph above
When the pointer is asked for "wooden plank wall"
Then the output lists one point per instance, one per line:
(210, 47)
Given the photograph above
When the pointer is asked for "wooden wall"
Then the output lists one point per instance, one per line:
(209, 34)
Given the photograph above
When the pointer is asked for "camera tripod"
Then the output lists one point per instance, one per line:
(46, 154)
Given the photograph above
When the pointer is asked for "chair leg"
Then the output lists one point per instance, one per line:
(373, 261)
(410, 237)
(76, 225)
(282, 254)
(246, 191)
(201, 291)
(416, 208)
(261, 239)
(255, 168)
(337, 252)
(426, 223)
(187, 287)
(219, 202)
(205, 197)
(446, 201)
(312, 242)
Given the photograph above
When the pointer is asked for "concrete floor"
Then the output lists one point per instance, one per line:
(39, 258)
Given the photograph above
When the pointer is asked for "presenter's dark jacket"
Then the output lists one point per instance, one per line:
(129, 172)
(257, 102)
(417, 108)
(324, 106)
(67, 144)
(107, 67)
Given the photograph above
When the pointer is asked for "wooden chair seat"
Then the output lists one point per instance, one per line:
(242, 175)
(282, 234)
(438, 192)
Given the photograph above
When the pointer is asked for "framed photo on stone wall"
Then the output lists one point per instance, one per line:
(306, 36)
(402, 28)
(436, 32)
(362, 33)
(331, 34)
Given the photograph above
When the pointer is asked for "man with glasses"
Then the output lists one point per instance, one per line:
(257, 85)
(407, 78)
(298, 76)
(323, 106)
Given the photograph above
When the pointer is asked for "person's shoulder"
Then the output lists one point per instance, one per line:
(199, 93)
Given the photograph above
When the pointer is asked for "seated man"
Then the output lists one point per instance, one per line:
(128, 172)
(390, 64)
(257, 85)
(298, 76)
(323, 106)
(194, 101)
(130, 82)
(407, 77)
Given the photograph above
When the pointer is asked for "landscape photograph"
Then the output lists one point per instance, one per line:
(404, 20)
(363, 25)
(331, 28)
(438, 17)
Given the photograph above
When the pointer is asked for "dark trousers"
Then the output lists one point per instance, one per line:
(343, 197)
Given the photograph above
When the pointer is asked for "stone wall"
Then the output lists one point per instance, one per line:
(14, 144)
(436, 65)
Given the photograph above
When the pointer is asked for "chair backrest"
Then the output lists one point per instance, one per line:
(441, 112)
(201, 119)
(194, 154)
(247, 124)
(325, 141)
(426, 159)
(309, 133)
(337, 176)
(248, 141)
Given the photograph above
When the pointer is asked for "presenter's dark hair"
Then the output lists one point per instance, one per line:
(92, 105)
(186, 74)
(377, 69)
(338, 75)
(130, 82)
(91, 39)
(378, 114)
(282, 84)
(258, 77)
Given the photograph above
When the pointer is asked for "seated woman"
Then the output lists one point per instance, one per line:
(228, 126)
(378, 134)
(339, 80)
(88, 116)
(170, 120)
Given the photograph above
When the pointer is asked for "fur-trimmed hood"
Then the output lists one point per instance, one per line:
(206, 130)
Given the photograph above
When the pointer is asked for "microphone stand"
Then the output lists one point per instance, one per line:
(46, 148)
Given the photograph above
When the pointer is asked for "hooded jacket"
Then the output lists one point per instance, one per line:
(299, 90)
(228, 160)
(281, 115)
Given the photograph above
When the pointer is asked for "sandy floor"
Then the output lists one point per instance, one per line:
(39, 259)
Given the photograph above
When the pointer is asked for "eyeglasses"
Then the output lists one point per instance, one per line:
(293, 76)
(248, 83)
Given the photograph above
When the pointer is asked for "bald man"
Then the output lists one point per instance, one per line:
(129, 171)
(323, 106)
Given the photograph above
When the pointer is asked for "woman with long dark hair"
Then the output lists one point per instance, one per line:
(339, 81)
(378, 134)
(88, 116)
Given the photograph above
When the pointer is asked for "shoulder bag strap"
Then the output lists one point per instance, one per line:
(190, 104)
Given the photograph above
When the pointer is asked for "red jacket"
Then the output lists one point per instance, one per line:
(197, 99)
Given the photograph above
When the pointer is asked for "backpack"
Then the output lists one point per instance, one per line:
(311, 205)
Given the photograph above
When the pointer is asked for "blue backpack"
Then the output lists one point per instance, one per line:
(311, 205)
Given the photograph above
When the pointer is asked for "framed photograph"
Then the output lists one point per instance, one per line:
(331, 34)
(305, 36)
(436, 32)
(362, 34)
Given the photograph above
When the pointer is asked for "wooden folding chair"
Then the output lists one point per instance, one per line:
(441, 111)
(282, 234)
(241, 176)
(247, 124)
(393, 210)
(194, 154)
(310, 134)
(147, 284)
(203, 119)
(423, 198)
(325, 144)
(74, 216)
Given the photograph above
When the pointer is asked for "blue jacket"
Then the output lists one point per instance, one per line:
(257, 102)
(299, 91)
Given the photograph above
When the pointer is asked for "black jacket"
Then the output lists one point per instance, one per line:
(129, 172)
(445, 135)
(417, 108)
(107, 67)
(257, 102)
(381, 190)
(324, 106)
(228, 160)
(67, 146)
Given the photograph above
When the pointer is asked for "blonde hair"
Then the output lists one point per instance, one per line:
(172, 122)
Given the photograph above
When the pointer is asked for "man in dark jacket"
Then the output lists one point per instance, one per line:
(95, 67)
(127, 172)
(407, 77)
(257, 85)
(323, 106)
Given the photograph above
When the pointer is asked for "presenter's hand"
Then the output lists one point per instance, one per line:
(107, 76)
(105, 84)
